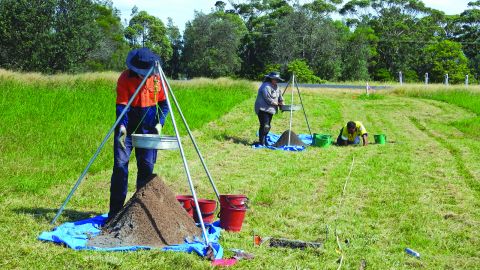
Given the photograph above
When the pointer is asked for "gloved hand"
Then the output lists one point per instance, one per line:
(158, 127)
(123, 136)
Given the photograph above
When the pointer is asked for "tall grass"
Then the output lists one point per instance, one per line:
(51, 125)
(203, 100)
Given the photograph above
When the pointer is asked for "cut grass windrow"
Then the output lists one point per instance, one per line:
(473, 183)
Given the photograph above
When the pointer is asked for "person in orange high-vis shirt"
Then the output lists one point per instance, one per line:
(146, 115)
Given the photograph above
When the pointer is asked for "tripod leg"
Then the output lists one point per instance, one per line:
(303, 108)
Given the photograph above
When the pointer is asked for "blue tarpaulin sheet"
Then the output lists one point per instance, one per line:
(75, 235)
(272, 138)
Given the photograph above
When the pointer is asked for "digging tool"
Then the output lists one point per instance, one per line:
(286, 243)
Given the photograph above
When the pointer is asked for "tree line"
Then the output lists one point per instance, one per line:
(319, 40)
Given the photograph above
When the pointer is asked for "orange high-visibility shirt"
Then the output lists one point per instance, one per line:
(127, 84)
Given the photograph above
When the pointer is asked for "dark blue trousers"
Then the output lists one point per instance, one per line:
(145, 158)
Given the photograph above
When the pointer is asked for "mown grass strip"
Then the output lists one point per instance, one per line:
(456, 154)
(460, 97)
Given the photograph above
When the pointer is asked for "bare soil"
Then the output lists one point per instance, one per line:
(283, 140)
(152, 217)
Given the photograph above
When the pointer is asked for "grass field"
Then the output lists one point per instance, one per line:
(421, 190)
(51, 125)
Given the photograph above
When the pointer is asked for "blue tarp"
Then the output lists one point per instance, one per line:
(75, 235)
(272, 138)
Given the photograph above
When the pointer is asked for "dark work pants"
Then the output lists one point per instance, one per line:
(265, 119)
(119, 182)
(340, 140)
(145, 158)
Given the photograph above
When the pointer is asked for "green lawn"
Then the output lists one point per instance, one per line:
(51, 126)
(420, 191)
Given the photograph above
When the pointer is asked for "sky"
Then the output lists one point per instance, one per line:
(182, 11)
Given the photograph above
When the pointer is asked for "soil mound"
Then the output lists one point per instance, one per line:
(152, 217)
(283, 140)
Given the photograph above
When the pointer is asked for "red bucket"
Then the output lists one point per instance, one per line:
(207, 208)
(233, 201)
(187, 203)
(231, 219)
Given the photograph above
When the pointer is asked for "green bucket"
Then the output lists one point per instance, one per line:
(322, 140)
(380, 138)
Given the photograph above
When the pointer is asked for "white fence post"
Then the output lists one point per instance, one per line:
(426, 78)
(466, 80)
(400, 78)
(446, 79)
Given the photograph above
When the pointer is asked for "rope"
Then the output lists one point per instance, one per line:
(338, 212)
(155, 86)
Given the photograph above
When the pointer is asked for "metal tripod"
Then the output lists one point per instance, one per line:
(168, 94)
(295, 85)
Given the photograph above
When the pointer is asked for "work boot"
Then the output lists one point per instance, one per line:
(263, 141)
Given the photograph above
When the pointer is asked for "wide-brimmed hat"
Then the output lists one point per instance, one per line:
(141, 60)
(274, 75)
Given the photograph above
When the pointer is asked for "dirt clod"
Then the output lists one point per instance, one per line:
(283, 140)
(152, 217)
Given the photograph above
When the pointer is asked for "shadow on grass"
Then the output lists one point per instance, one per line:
(47, 214)
(234, 139)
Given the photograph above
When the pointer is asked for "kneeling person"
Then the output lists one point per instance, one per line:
(351, 133)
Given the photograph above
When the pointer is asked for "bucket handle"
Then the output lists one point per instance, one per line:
(209, 213)
(233, 206)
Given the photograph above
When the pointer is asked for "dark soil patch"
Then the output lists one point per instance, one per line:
(152, 217)
(283, 140)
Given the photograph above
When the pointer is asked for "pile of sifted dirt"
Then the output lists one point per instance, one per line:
(152, 217)
(283, 140)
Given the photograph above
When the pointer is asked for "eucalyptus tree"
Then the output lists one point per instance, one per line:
(446, 57)
(404, 28)
(358, 53)
(468, 34)
(47, 35)
(145, 30)
(173, 66)
(261, 19)
(211, 44)
(25, 43)
(309, 33)
(112, 47)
